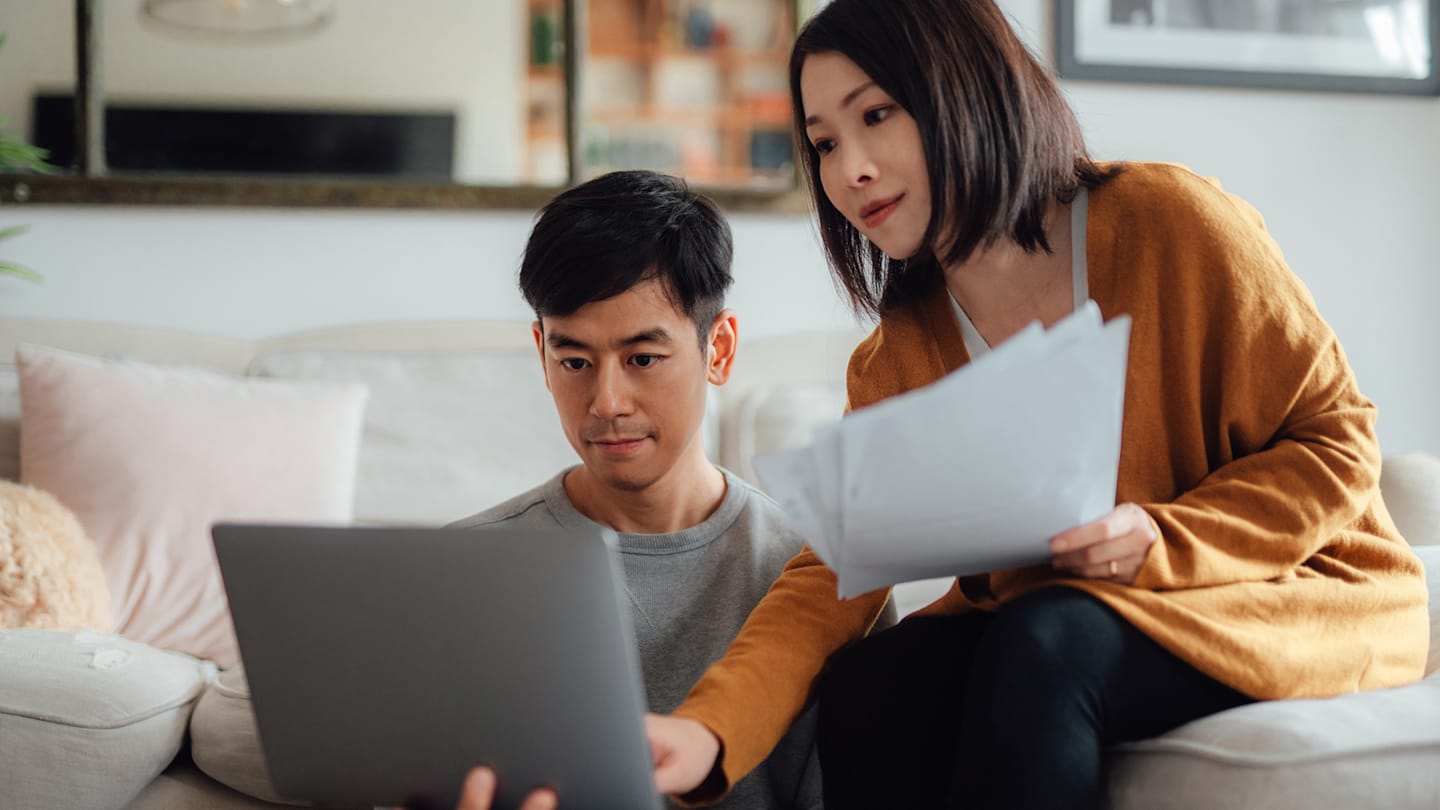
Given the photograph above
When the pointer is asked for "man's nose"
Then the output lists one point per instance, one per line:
(612, 392)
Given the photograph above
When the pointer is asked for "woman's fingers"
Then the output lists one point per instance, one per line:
(1111, 548)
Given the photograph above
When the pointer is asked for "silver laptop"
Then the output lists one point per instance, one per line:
(385, 663)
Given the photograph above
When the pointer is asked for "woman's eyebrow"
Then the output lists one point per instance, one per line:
(844, 102)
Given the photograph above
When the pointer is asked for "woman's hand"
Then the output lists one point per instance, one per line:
(684, 751)
(479, 793)
(1111, 548)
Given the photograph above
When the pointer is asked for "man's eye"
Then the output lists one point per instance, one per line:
(574, 363)
(645, 360)
(825, 146)
(877, 115)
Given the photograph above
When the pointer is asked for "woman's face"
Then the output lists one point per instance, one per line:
(872, 165)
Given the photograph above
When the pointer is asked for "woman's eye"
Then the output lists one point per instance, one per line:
(645, 360)
(824, 146)
(877, 115)
(573, 363)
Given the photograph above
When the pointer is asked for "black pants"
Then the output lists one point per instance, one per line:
(999, 710)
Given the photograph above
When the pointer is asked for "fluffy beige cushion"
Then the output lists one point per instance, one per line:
(50, 577)
(149, 457)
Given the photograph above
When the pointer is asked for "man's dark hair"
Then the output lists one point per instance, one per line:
(601, 238)
(999, 140)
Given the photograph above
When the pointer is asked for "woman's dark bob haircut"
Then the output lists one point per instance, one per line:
(1000, 142)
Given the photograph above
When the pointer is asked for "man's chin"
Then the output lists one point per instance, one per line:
(625, 482)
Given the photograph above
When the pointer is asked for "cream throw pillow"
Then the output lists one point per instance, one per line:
(149, 457)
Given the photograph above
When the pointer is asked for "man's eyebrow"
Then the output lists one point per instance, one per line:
(559, 340)
(655, 334)
(844, 102)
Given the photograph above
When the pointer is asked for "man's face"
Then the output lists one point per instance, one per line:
(630, 381)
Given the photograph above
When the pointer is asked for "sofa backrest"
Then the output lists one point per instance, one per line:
(423, 457)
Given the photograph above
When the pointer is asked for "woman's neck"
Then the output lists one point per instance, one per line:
(1003, 287)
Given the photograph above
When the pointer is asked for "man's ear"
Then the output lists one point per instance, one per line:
(538, 332)
(724, 336)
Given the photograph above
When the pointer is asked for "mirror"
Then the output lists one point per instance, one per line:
(430, 103)
(36, 56)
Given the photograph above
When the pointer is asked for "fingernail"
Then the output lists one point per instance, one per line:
(481, 779)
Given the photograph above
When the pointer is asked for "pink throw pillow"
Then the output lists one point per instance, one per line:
(149, 457)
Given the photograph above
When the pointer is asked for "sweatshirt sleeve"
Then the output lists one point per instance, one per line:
(1294, 438)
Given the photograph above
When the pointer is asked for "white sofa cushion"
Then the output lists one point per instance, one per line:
(446, 434)
(1367, 749)
(779, 417)
(225, 740)
(1411, 483)
(148, 457)
(89, 719)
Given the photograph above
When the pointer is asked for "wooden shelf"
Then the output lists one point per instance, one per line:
(711, 140)
(648, 52)
(735, 115)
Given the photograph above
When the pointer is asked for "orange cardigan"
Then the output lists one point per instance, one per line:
(1277, 571)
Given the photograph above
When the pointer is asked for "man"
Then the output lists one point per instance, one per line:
(627, 276)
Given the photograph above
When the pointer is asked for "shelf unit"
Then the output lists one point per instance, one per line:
(692, 87)
(545, 93)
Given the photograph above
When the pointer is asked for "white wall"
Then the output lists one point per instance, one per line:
(1348, 184)
(457, 56)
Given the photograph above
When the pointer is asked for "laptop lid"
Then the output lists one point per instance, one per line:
(385, 663)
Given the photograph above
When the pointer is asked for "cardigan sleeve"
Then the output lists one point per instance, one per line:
(750, 698)
(1294, 454)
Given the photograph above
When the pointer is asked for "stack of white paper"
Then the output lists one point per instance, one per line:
(973, 473)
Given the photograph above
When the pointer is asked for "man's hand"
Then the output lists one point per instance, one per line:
(1112, 547)
(479, 793)
(684, 752)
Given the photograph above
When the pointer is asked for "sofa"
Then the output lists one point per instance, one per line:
(422, 423)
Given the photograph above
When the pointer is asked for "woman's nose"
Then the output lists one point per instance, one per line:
(859, 169)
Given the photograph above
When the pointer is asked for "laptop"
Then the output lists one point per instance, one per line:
(384, 663)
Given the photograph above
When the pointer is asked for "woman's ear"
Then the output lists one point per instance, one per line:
(721, 347)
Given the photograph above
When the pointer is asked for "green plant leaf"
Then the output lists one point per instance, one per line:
(15, 154)
(21, 272)
(15, 230)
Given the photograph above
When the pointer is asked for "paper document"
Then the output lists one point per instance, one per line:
(973, 473)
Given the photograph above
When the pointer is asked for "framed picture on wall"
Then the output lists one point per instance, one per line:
(1365, 46)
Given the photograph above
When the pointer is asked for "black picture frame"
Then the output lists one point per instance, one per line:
(1228, 43)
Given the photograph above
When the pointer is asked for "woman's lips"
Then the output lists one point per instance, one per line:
(875, 215)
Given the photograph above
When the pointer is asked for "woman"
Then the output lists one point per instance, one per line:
(1249, 556)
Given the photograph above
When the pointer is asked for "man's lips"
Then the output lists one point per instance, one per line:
(618, 445)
